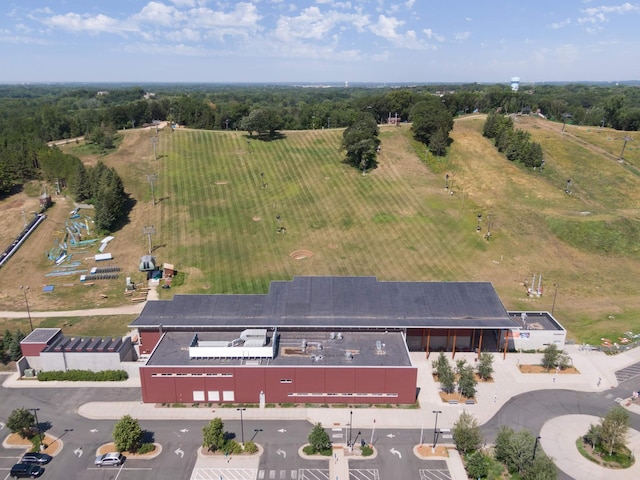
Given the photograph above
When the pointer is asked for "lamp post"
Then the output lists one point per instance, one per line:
(435, 428)
(373, 430)
(535, 447)
(627, 138)
(26, 302)
(35, 414)
(256, 432)
(555, 294)
(241, 424)
(349, 444)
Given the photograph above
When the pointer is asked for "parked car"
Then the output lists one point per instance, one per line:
(26, 470)
(36, 458)
(113, 458)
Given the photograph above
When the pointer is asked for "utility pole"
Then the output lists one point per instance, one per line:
(151, 178)
(148, 231)
(35, 414)
(241, 424)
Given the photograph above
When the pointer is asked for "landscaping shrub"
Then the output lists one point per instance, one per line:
(366, 451)
(146, 448)
(250, 447)
(84, 376)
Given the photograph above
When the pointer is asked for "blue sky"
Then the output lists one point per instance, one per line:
(318, 41)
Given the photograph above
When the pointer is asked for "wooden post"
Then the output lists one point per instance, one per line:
(453, 351)
(428, 341)
(480, 344)
(506, 345)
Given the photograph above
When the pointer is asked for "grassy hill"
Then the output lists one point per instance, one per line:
(221, 193)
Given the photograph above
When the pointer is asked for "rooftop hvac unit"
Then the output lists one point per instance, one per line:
(339, 335)
(29, 372)
(333, 335)
(348, 356)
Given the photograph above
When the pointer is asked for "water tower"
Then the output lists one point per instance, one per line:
(515, 83)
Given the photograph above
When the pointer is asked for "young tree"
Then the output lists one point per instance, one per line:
(439, 363)
(593, 435)
(214, 437)
(21, 421)
(542, 468)
(466, 434)
(127, 434)
(615, 426)
(447, 378)
(550, 356)
(485, 366)
(467, 381)
(502, 443)
(319, 439)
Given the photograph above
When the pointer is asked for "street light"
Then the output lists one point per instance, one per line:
(24, 292)
(535, 447)
(627, 138)
(241, 424)
(435, 428)
(349, 444)
(35, 414)
(256, 431)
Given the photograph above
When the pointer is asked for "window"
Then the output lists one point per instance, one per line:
(228, 396)
(286, 380)
(198, 396)
(214, 395)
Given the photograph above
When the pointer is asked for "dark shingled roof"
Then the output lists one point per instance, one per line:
(337, 302)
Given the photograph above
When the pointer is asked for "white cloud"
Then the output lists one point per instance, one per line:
(159, 14)
(315, 24)
(74, 22)
(431, 34)
(461, 36)
(561, 24)
(599, 14)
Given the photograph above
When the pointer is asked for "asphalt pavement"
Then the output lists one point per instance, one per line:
(512, 398)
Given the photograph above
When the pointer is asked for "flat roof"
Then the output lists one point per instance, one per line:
(337, 302)
(321, 350)
(536, 320)
(41, 335)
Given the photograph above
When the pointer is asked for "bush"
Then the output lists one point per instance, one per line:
(146, 448)
(127, 434)
(232, 447)
(309, 450)
(366, 451)
(250, 447)
(84, 376)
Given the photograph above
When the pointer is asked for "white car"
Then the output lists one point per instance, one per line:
(113, 458)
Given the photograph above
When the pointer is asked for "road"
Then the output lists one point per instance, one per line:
(280, 439)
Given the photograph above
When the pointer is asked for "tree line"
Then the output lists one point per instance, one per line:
(514, 143)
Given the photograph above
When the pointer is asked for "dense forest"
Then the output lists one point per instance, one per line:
(32, 115)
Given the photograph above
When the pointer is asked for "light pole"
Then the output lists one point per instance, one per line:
(435, 428)
(535, 447)
(35, 414)
(349, 444)
(256, 432)
(373, 430)
(627, 138)
(241, 424)
(555, 294)
(26, 302)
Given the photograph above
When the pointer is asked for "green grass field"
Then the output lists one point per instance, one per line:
(217, 222)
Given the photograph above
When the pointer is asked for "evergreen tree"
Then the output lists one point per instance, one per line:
(485, 366)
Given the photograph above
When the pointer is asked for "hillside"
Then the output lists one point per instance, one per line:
(220, 196)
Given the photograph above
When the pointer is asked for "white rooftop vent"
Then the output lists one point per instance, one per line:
(339, 335)
(348, 356)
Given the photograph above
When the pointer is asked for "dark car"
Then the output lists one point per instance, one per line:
(36, 458)
(114, 458)
(26, 470)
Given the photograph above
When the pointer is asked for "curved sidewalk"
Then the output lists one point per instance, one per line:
(558, 439)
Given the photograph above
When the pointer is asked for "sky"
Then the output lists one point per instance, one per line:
(318, 41)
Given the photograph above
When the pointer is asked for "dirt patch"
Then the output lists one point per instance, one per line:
(221, 182)
(256, 218)
(426, 451)
(541, 369)
(301, 254)
(53, 446)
